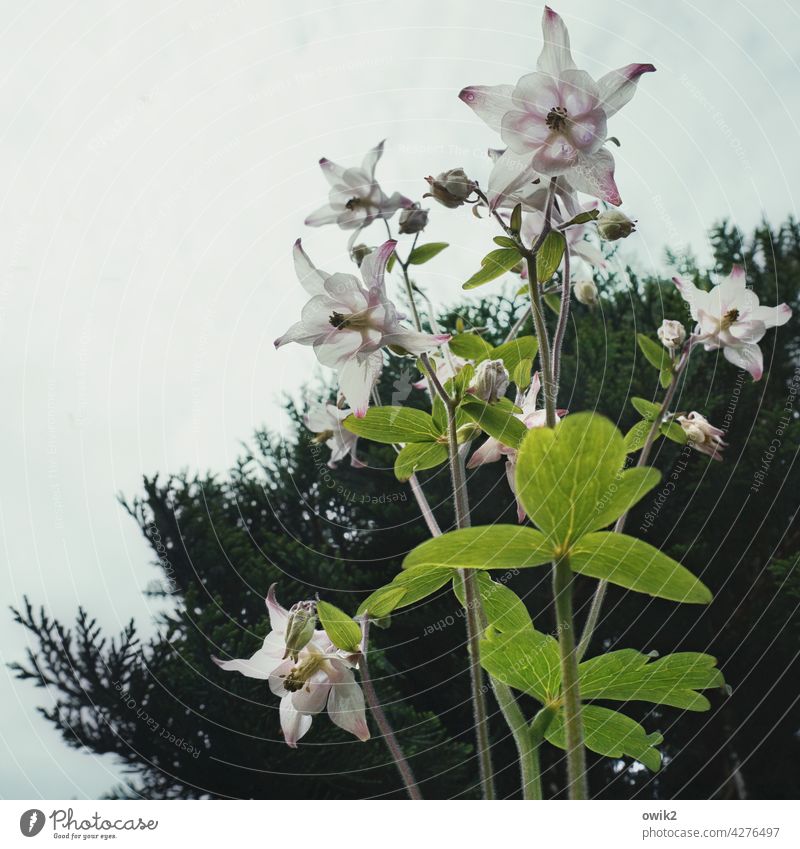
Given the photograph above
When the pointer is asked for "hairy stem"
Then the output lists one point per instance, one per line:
(573, 719)
(545, 360)
(600, 593)
(403, 767)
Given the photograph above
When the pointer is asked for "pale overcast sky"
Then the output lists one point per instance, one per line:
(157, 161)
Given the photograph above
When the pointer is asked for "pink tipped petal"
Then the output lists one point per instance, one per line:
(737, 272)
(311, 278)
(371, 159)
(415, 342)
(490, 452)
(334, 173)
(278, 615)
(346, 705)
(299, 332)
(373, 266)
(594, 175)
(748, 357)
(489, 103)
(293, 724)
(555, 56)
(618, 87)
(772, 316)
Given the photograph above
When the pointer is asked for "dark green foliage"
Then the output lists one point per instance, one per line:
(282, 516)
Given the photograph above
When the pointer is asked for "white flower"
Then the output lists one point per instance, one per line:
(321, 676)
(730, 317)
(355, 199)
(348, 324)
(492, 450)
(672, 334)
(702, 435)
(326, 421)
(585, 291)
(554, 120)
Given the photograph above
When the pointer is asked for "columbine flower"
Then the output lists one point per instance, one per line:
(730, 317)
(348, 324)
(490, 381)
(613, 224)
(319, 676)
(554, 120)
(672, 334)
(413, 220)
(355, 199)
(702, 435)
(326, 421)
(451, 188)
(492, 450)
(585, 292)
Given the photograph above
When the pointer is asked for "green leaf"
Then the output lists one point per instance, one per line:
(673, 431)
(629, 675)
(504, 609)
(548, 257)
(654, 353)
(636, 565)
(513, 352)
(612, 734)
(636, 437)
(553, 301)
(665, 376)
(505, 242)
(422, 253)
(630, 487)
(647, 409)
(565, 475)
(582, 218)
(344, 633)
(408, 587)
(483, 547)
(391, 262)
(515, 222)
(394, 424)
(495, 421)
(494, 264)
(417, 456)
(525, 660)
(521, 375)
(470, 346)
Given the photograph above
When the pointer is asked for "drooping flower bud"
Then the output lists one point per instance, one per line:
(451, 188)
(413, 220)
(672, 334)
(702, 435)
(585, 292)
(360, 252)
(300, 627)
(613, 224)
(490, 381)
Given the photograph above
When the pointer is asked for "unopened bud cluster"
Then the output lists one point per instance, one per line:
(451, 188)
(490, 382)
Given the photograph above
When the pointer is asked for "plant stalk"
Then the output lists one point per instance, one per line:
(403, 766)
(573, 719)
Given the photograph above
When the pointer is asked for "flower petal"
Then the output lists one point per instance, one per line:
(310, 277)
(510, 172)
(278, 676)
(489, 102)
(356, 379)
(334, 173)
(278, 615)
(300, 332)
(373, 266)
(415, 342)
(346, 705)
(324, 215)
(312, 698)
(618, 87)
(748, 357)
(771, 316)
(371, 159)
(594, 175)
(749, 332)
(260, 665)
(555, 56)
(293, 724)
(489, 452)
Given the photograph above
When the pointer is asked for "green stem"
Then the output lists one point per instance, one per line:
(527, 748)
(545, 360)
(573, 719)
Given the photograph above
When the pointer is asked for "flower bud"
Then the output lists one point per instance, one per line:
(451, 188)
(490, 381)
(360, 252)
(672, 334)
(585, 292)
(702, 435)
(413, 220)
(300, 628)
(613, 224)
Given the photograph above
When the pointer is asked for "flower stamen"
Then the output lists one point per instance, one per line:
(556, 118)
(729, 318)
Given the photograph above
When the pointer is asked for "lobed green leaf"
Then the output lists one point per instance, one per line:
(394, 424)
